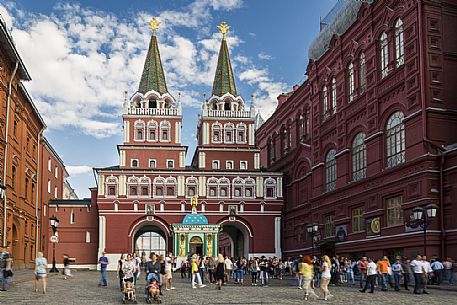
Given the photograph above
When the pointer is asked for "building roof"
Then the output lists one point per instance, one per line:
(340, 19)
(70, 202)
(7, 43)
(153, 77)
(32, 104)
(195, 219)
(224, 80)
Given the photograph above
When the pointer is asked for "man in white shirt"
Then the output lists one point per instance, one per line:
(427, 270)
(372, 271)
(228, 268)
(418, 268)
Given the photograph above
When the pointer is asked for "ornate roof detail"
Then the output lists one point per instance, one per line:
(195, 219)
(224, 80)
(153, 77)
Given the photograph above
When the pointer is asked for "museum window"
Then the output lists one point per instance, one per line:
(399, 44)
(14, 175)
(351, 82)
(144, 191)
(333, 103)
(329, 226)
(152, 104)
(358, 221)
(26, 189)
(330, 171)
(212, 191)
(216, 130)
(134, 163)
(111, 190)
(324, 97)
(152, 163)
(170, 163)
(72, 217)
(165, 131)
(249, 191)
(284, 141)
(215, 164)
(33, 190)
(362, 74)
(139, 131)
(170, 190)
(159, 191)
(191, 191)
(243, 164)
(394, 211)
(359, 157)
(384, 55)
(152, 131)
(241, 134)
(133, 191)
(191, 184)
(395, 139)
(300, 128)
(270, 188)
(237, 191)
(223, 192)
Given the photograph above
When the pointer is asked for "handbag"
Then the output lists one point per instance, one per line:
(7, 273)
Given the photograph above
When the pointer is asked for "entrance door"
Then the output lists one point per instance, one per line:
(150, 239)
(196, 245)
(233, 240)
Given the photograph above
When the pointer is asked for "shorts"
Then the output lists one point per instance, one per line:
(40, 276)
(168, 274)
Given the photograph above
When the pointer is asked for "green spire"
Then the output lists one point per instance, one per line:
(224, 81)
(153, 77)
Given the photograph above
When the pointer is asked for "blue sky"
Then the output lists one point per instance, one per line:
(83, 55)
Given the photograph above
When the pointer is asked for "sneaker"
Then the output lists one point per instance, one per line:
(167, 289)
(194, 287)
(300, 287)
(201, 286)
(172, 288)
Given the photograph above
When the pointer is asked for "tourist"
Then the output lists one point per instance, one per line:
(103, 261)
(195, 273)
(201, 267)
(220, 271)
(41, 264)
(183, 269)
(137, 261)
(210, 266)
(307, 273)
(120, 274)
(66, 266)
(5, 267)
(169, 271)
(407, 272)
(397, 271)
(128, 271)
(153, 266)
(326, 276)
(448, 264)
(371, 275)
(264, 266)
(228, 269)
(418, 269)
(437, 268)
(296, 266)
(349, 271)
(362, 266)
(427, 273)
(162, 277)
(254, 266)
(317, 272)
(241, 264)
(383, 270)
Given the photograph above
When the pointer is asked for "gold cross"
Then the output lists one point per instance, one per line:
(154, 24)
(223, 27)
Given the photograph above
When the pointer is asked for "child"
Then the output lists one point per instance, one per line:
(153, 288)
(129, 290)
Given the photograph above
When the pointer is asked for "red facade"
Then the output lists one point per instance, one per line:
(370, 134)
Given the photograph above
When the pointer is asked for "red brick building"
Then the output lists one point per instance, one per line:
(370, 134)
(151, 189)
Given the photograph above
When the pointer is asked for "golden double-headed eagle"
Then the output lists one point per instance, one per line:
(194, 202)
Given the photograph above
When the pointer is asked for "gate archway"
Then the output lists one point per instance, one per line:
(150, 239)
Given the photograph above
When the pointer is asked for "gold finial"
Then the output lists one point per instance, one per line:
(194, 203)
(154, 24)
(223, 27)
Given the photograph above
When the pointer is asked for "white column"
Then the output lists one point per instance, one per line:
(201, 160)
(182, 159)
(259, 184)
(256, 161)
(202, 186)
(177, 133)
(122, 187)
(204, 131)
(101, 236)
(101, 185)
(278, 237)
(126, 131)
(181, 186)
(279, 187)
(251, 134)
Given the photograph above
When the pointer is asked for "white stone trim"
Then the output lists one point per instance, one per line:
(278, 237)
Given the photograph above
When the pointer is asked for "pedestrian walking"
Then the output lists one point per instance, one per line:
(254, 265)
(362, 266)
(41, 264)
(169, 272)
(326, 276)
(383, 270)
(407, 272)
(437, 268)
(103, 261)
(448, 264)
(220, 271)
(6, 270)
(397, 271)
(195, 273)
(307, 273)
(372, 271)
(120, 273)
(228, 269)
(418, 269)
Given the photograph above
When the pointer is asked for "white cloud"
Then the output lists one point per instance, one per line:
(81, 60)
(264, 56)
(78, 169)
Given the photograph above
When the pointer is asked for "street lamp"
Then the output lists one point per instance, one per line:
(313, 230)
(422, 217)
(54, 224)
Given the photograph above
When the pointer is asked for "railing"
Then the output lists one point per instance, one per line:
(152, 111)
(229, 114)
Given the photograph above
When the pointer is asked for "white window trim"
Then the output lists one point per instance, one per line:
(229, 162)
(233, 131)
(221, 133)
(131, 163)
(173, 163)
(49, 165)
(238, 128)
(165, 125)
(155, 161)
(72, 217)
(87, 237)
(49, 186)
(244, 161)
(216, 162)
(56, 172)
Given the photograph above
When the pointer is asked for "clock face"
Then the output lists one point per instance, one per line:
(375, 225)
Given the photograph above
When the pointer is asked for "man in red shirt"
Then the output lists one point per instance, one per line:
(362, 265)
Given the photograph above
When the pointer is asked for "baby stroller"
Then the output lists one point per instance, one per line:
(152, 281)
(129, 293)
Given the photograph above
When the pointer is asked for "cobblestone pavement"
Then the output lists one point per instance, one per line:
(83, 289)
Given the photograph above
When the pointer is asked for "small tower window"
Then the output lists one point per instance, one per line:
(152, 104)
(227, 106)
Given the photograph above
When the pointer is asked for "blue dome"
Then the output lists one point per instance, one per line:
(195, 219)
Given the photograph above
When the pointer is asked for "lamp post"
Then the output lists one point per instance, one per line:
(422, 217)
(54, 224)
(313, 231)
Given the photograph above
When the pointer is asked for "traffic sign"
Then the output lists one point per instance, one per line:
(54, 239)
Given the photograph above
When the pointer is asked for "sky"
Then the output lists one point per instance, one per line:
(82, 56)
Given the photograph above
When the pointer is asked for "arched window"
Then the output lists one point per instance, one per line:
(307, 123)
(111, 186)
(165, 134)
(152, 103)
(216, 133)
(238, 185)
(170, 185)
(300, 128)
(399, 44)
(351, 82)
(159, 185)
(249, 185)
(270, 188)
(324, 100)
(145, 183)
(241, 133)
(384, 55)
(224, 187)
(227, 106)
(330, 171)
(395, 139)
(362, 74)
(284, 140)
(139, 130)
(152, 131)
(228, 133)
(167, 104)
(333, 104)
(359, 157)
(212, 187)
(270, 151)
(191, 186)
(132, 186)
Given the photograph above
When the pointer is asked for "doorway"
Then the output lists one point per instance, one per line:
(196, 245)
(150, 239)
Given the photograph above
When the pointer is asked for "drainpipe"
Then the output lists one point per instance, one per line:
(5, 150)
(37, 237)
(424, 124)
